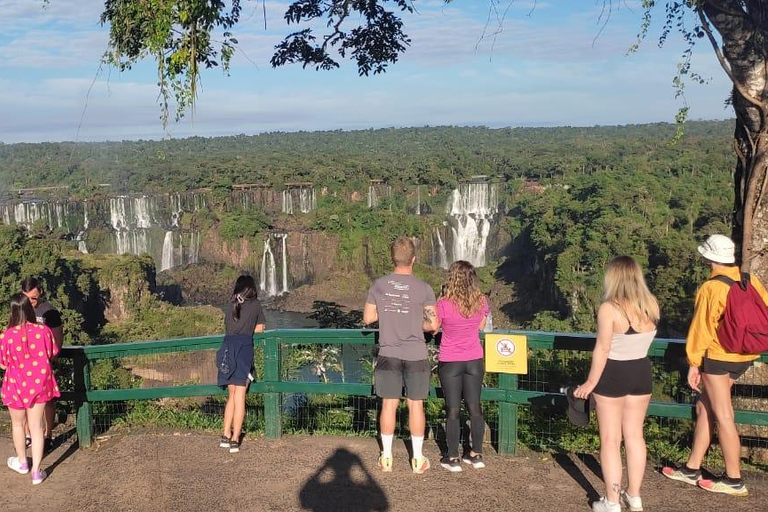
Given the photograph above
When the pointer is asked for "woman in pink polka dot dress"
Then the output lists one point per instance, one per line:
(26, 349)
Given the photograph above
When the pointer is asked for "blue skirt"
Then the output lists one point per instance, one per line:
(234, 360)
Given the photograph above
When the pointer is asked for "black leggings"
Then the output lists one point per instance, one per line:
(462, 379)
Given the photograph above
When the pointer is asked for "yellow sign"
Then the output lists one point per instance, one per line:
(506, 353)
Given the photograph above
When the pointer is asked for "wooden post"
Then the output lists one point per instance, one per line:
(273, 421)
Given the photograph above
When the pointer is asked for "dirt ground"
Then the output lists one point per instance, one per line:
(159, 471)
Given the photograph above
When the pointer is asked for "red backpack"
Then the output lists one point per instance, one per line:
(743, 327)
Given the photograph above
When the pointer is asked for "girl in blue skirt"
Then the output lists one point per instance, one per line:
(234, 358)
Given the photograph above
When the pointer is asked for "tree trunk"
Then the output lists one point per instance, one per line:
(743, 27)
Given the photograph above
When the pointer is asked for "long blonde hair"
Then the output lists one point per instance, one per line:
(462, 288)
(624, 285)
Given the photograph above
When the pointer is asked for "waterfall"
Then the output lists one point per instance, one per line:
(85, 215)
(302, 196)
(6, 216)
(176, 209)
(142, 210)
(442, 254)
(81, 242)
(373, 200)
(117, 217)
(285, 263)
(167, 258)
(307, 201)
(472, 207)
(418, 199)
(287, 202)
(194, 247)
(268, 280)
(132, 242)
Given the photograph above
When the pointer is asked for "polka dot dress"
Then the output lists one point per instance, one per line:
(26, 352)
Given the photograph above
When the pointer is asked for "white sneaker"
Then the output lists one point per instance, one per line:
(634, 503)
(17, 465)
(603, 505)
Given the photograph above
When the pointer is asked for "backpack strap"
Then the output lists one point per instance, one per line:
(745, 278)
(723, 279)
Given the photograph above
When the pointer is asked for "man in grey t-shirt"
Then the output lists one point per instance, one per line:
(404, 306)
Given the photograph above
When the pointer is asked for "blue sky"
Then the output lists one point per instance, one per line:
(550, 64)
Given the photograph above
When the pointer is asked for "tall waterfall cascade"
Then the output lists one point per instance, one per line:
(167, 259)
(472, 207)
(268, 280)
(441, 254)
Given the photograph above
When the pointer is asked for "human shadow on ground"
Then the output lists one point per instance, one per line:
(566, 462)
(71, 450)
(343, 483)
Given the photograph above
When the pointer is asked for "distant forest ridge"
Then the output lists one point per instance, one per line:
(437, 156)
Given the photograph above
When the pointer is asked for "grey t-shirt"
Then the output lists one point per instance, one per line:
(251, 314)
(400, 300)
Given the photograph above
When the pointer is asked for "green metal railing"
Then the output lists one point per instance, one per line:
(272, 385)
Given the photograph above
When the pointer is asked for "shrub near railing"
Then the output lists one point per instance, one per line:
(555, 359)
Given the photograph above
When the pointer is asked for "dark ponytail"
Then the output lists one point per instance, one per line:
(21, 311)
(245, 289)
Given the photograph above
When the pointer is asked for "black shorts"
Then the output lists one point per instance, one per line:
(392, 375)
(733, 369)
(622, 378)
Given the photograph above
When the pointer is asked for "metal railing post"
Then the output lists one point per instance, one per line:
(84, 418)
(507, 416)
(273, 422)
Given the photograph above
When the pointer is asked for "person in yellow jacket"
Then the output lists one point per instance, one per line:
(717, 370)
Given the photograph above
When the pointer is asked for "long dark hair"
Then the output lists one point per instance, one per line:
(245, 289)
(21, 311)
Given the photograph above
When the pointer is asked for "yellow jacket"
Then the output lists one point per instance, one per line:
(710, 303)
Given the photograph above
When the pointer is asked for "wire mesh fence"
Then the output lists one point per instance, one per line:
(541, 424)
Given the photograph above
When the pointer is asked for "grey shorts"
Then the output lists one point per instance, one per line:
(392, 375)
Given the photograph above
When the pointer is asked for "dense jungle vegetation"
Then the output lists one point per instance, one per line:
(574, 198)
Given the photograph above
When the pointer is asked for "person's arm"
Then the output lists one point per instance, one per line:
(431, 322)
(52, 320)
(485, 310)
(261, 320)
(370, 314)
(605, 316)
(700, 334)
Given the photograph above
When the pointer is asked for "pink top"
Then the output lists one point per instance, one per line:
(26, 352)
(461, 338)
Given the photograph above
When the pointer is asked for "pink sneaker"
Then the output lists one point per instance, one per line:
(38, 477)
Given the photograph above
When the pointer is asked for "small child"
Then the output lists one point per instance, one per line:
(26, 350)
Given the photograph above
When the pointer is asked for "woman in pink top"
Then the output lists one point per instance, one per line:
(462, 311)
(26, 349)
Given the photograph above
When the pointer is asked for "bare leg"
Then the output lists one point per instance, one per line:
(229, 412)
(388, 414)
(416, 419)
(609, 422)
(239, 412)
(719, 390)
(50, 418)
(633, 419)
(36, 426)
(702, 434)
(18, 425)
